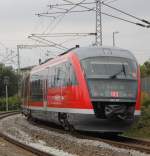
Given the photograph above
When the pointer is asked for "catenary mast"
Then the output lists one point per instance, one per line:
(98, 39)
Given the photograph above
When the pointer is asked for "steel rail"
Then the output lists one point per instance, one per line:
(130, 143)
(118, 141)
(6, 114)
(114, 140)
(18, 143)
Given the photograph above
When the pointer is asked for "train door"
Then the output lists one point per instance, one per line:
(53, 87)
(26, 91)
(59, 83)
(45, 89)
(69, 90)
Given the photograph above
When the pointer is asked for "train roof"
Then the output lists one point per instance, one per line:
(87, 52)
(103, 51)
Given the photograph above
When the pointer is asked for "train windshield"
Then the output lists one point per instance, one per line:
(110, 67)
(111, 76)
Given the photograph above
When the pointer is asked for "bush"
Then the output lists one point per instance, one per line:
(146, 100)
(13, 103)
(142, 127)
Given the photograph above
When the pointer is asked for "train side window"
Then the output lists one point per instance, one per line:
(64, 74)
(24, 87)
(61, 75)
(53, 77)
(72, 76)
(36, 88)
(50, 77)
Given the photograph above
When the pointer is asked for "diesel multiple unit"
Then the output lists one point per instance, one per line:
(91, 89)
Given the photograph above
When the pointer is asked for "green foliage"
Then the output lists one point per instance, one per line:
(145, 69)
(13, 103)
(142, 127)
(13, 81)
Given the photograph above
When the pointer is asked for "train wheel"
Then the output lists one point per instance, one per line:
(63, 119)
(28, 115)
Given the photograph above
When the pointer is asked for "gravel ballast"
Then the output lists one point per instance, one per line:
(57, 143)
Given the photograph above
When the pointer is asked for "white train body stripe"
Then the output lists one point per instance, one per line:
(66, 110)
(72, 110)
(137, 112)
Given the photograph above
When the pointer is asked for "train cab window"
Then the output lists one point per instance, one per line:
(110, 67)
(109, 77)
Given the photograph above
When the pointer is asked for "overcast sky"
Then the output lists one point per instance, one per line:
(18, 20)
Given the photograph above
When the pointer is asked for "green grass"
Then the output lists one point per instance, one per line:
(13, 103)
(141, 128)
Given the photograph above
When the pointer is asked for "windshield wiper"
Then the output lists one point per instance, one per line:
(122, 70)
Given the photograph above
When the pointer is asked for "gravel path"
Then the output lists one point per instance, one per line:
(60, 144)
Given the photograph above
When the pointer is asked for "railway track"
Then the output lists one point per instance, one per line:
(6, 114)
(129, 143)
(115, 140)
(18, 143)
(118, 141)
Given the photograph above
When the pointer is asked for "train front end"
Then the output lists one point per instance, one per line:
(113, 80)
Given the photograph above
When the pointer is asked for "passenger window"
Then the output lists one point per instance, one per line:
(72, 76)
(61, 75)
(36, 88)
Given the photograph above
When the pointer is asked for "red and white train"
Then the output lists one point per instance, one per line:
(91, 89)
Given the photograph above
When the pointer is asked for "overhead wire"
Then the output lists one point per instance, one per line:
(8, 54)
(110, 15)
(62, 16)
(128, 14)
(48, 42)
(111, 1)
(47, 28)
(63, 34)
(125, 20)
(82, 4)
(73, 39)
(51, 6)
(90, 9)
(3, 45)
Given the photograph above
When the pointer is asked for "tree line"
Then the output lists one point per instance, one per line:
(145, 69)
(13, 79)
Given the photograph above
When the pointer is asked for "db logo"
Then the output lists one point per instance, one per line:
(114, 94)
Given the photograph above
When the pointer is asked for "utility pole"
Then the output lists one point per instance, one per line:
(98, 39)
(56, 10)
(116, 32)
(6, 82)
(6, 98)
(19, 47)
(18, 59)
(18, 62)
